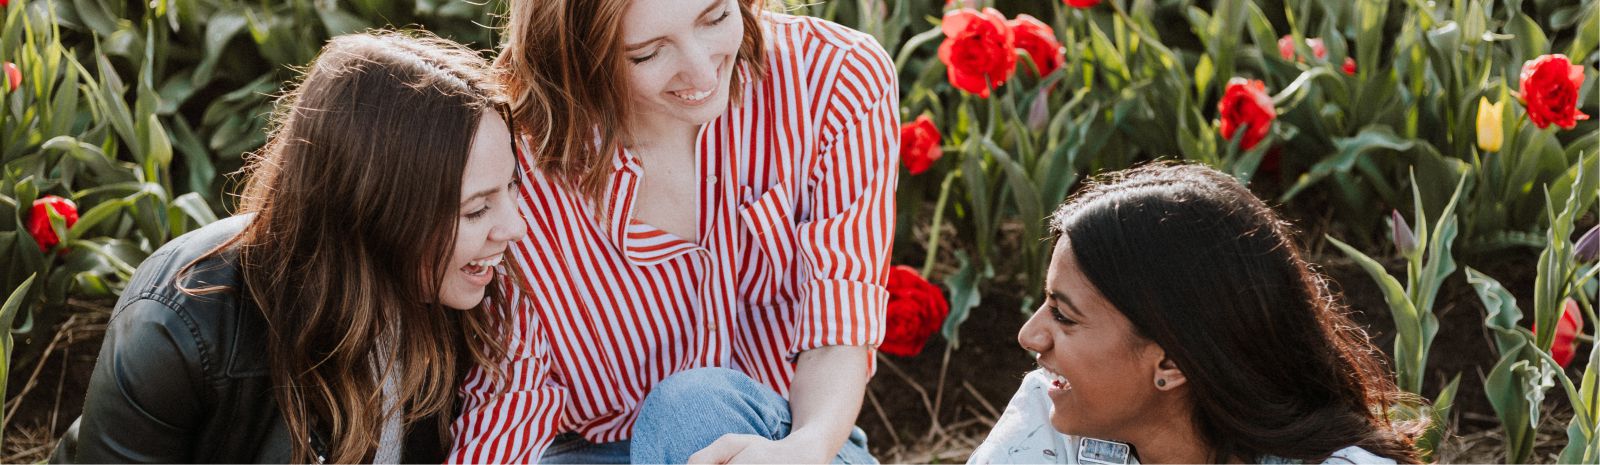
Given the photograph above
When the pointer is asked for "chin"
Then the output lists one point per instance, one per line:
(708, 113)
(1064, 424)
(1061, 425)
(463, 301)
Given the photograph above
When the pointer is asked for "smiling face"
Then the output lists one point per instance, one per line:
(1105, 375)
(680, 58)
(488, 221)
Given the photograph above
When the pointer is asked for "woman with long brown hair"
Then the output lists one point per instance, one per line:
(332, 319)
(711, 209)
(1180, 324)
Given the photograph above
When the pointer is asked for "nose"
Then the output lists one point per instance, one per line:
(1032, 336)
(509, 226)
(700, 66)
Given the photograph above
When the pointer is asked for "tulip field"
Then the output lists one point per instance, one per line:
(1440, 162)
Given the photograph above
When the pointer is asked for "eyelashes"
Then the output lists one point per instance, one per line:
(1062, 319)
(726, 13)
(476, 214)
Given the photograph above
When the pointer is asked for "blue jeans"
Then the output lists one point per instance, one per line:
(573, 448)
(689, 410)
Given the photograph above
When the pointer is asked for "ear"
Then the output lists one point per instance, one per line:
(1167, 375)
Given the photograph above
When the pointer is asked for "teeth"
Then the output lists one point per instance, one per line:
(487, 263)
(693, 96)
(1060, 382)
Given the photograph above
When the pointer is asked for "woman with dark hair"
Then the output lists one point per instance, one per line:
(1180, 324)
(332, 320)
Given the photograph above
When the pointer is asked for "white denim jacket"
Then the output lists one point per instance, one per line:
(1024, 435)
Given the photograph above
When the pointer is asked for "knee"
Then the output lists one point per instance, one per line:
(689, 410)
(696, 390)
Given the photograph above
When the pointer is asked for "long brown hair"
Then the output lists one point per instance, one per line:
(1207, 271)
(566, 75)
(356, 197)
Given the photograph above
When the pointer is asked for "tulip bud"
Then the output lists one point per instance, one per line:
(1404, 239)
(1587, 249)
(1489, 133)
(13, 76)
(1039, 112)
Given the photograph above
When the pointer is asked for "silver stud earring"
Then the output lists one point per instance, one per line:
(1161, 383)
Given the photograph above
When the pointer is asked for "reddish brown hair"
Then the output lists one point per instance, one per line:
(566, 75)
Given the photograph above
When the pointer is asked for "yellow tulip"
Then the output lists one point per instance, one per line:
(1489, 134)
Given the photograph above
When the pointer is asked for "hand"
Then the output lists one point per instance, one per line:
(746, 448)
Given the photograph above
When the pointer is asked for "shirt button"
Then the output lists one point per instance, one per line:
(712, 179)
(713, 326)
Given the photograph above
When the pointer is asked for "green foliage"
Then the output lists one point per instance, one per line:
(1412, 305)
(216, 65)
(1517, 384)
(68, 130)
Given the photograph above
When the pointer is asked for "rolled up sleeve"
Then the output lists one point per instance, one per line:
(845, 243)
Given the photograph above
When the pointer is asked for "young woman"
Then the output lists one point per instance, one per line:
(1181, 322)
(711, 211)
(332, 321)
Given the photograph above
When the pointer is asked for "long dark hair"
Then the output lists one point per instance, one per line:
(356, 197)
(1207, 271)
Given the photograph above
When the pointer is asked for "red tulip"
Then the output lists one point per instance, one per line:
(1566, 343)
(978, 50)
(1286, 47)
(13, 75)
(1317, 48)
(917, 308)
(919, 144)
(1550, 91)
(39, 220)
(1040, 42)
(1350, 66)
(1245, 104)
(1081, 3)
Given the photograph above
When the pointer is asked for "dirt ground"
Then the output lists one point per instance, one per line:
(936, 407)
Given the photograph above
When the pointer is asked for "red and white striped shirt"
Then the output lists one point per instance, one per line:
(796, 223)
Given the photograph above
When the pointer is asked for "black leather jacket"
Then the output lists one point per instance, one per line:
(184, 378)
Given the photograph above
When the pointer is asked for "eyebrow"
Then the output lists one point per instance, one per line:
(709, 8)
(1062, 297)
(486, 192)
